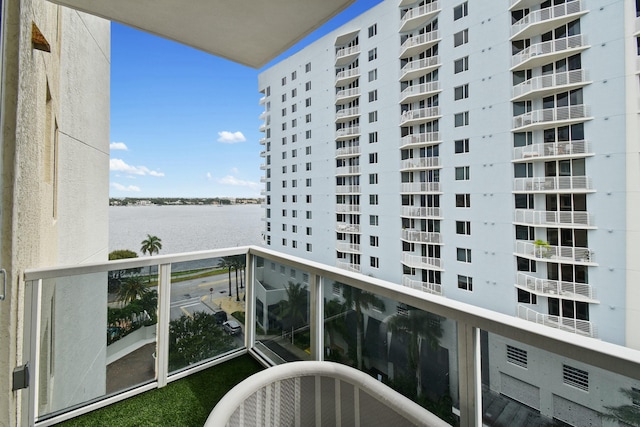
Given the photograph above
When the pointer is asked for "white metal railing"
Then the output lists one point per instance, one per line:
(345, 74)
(420, 212)
(262, 100)
(263, 179)
(345, 208)
(547, 81)
(554, 253)
(547, 14)
(263, 153)
(347, 189)
(422, 89)
(576, 326)
(420, 163)
(417, 12)
(553, 218)
(420, 187)
(548, 115)
(421, 236)
(348, 151)
(347, 247)
(344, 227)
(548, 47)
(346, 93)
(262, 127)
(420, 139)
(417, 261)
(349, 266)
(422, 113)
(348, 131)
(263, 166)
(432, 288)
(552, 149)
(422, 39)
(347, 170)
(556, 288)
(346, 112)
(553, 183)
(419, 64)
(263, 141)
(347, 51)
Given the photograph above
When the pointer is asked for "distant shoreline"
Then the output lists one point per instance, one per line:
(184, 201)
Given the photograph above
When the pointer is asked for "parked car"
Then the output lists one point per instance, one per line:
(220, 316)
(232, 327)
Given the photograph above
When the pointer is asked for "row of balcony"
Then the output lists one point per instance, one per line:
(422, 262)
(417, 16)
(565, 219)
(539, 119)
(419, 67)
(347, 54)
(347, 208)
(431, 288)
(348, 170)
(346, 95)
(347, 114)
(422, 115)
(348, 189)
(343, 227)
(348, 151)
(348, 247)
(420, 212)
(542, 53)
(559, 184)
(418, 92)
(420, 140)
(420, 187)
(347, 132)
(550, 150)
(420, 163)
(349, 266)
(417, 236)
(548, 84)
(347, 76)
(556, 288)
(547, 19)
(569, 324)
(549, 253)
(416, 44)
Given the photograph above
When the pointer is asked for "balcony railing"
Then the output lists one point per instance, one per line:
(349, 266)
(553, 184)
(419, 116)
(414, 93)
(346, 54)
(68, 336)
(348, 170)
(420, 139)
(348, 151)
(538, 119)
(419, 15)
(543, 20)
(263, 141)
(347, 112)
(555, 253)
(548, 84)
(343, 227)
(554, 218)
(347, 247)
(420, 187)
(415, 44)
(348, 131)
(345, 208)
(432, 288)
(420, 212)
(419, 67)
(418, 236)
(347, 94)
(542, 53)
(422, 262)
(347, 189)
(553, 149)
(556, 288)
(569, 324)
(420, 163)
(345, 76)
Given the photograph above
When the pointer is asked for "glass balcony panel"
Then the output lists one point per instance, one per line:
(206, 311)
(410, 350)
(282, 312)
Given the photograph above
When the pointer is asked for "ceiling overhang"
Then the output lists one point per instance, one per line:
(251, 32)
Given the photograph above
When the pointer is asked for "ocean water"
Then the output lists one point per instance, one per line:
(185, 228)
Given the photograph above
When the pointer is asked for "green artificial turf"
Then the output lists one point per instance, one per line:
(186, 402)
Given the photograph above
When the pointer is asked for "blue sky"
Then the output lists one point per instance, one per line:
(185, 123)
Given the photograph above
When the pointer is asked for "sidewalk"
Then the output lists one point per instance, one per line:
(228, 304)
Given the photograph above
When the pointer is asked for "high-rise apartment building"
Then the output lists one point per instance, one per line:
(486, 152)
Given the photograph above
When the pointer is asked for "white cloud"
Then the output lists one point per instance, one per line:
(234, 171)
(227, 137)
(119, 165)
(230, 180)
(118, 146)
(130, 188)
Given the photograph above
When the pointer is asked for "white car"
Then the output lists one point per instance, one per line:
(232, 327)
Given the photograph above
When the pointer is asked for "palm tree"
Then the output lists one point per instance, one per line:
(628, 414)
(294, 308)
(358, 300)
(226, 263)
(132, 289)
(237, 264)
(151, 245)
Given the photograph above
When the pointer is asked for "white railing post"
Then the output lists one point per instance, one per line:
(316, 317)
(250, 303)
(469, 378)
(32, 350)
(162, 330)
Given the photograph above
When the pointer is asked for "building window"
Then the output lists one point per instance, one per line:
(294, 183)
(463, 200)
(284, 126)
(461, 119)
(524, 232)
(373, 157)
(294, 213)
(373, 241)
(460, 38)
(294, 244)
(373, 199)
(294, 153)
(462, 173)
(307, 67)
(463, 227)
(284, 112)
(465, 283)
(284, 140)
(373, 220)
(294, 123)
(373, 30)
(284, 227)
(373, 75)
(307, 118)
(308, 198)
(308, 231)
(284, 169)
(373, 54)
(308, 166)
(284, 81)
(293, 75)
(294, 198)
(284, 212)
(307, 86)
(517, 356)
(308, 247)
(307, 134)
(308, 182)
(284, 243)
(461, 146)
(374, 262)
(461, 64)
(525, 264)
(373, 137)
(307, 150)
(526, 297)
(284, 97)
(373, 116)
(284, 155)
(308, 214)
(575, 377)
(294, 108)
(373, 95)
(294, 92)
(294, 138)
(373, 178)
(284, 183)
(460, 11)
(461, 92)
(463, 254)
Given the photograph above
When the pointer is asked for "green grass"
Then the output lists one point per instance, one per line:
(186, 402)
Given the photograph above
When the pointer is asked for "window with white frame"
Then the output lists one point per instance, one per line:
(460, 38)
(462, 173)
(463, 254)
(465, 282)
(461, 92)
(460, 11)
(461, 64)
(463, 227)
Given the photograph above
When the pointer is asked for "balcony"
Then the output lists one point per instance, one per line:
(347, 208)
(420, 140)
(420, 187)
(263, 179)
(263, 141)
(543, 53)
(415, 44)
(420, 212)
(419, 92)
(348, 151)
(564, 219)
(348, 247)
(419, 67)
(549, 84)
(569, 324)
(263, 166)
(348, 170)
(552, 150)
(346, 95)
(551, 117)
(422, 115)
(547, 19)
(550, 184)
(262, 100)
(262, 128)
(417, 236)
(349, 266)
(347, 132)
(422, 262)
(263, 115)
(418, 16)
(556, 288)
(432, 288)
(347, 189)
(329, 328)
(572, 254)
(420, 163)
(522, 4)
(346, 55)
(345, 77)
(344, 227)
(347, 114)
(263, 153)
